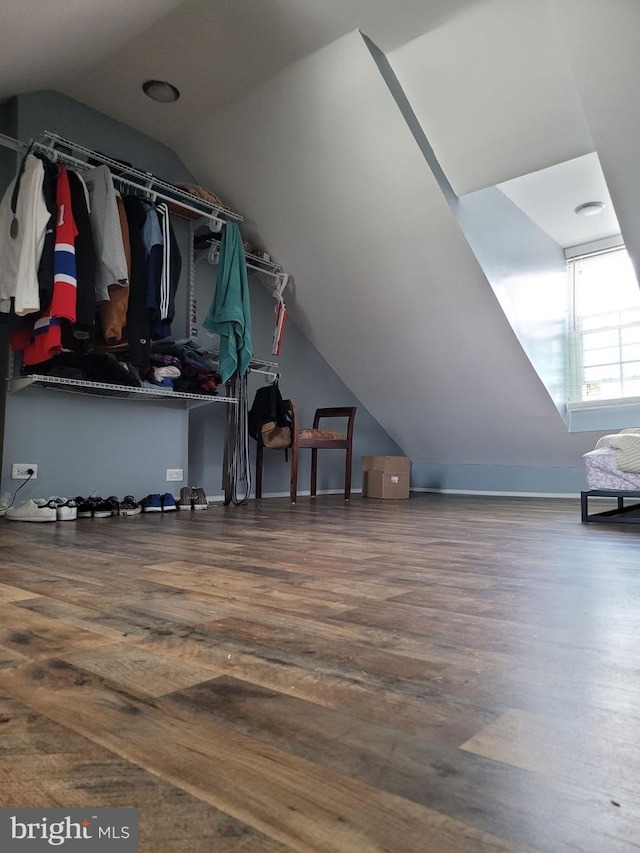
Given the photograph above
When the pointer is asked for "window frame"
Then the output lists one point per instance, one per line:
(581, 326)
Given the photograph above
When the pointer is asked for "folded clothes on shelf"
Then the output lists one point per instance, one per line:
(188, 351)
(91, 367)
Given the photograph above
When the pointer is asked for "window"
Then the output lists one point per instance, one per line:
(604, 344)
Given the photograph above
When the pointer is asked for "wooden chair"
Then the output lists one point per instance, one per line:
(315, 439)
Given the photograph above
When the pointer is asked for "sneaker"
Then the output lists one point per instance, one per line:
(200, 499)
(168, 503)
(186, 498)
(129, 506)
(86, 506)
(32, 511)
(106, 508)
(152, 503)
(66, 508)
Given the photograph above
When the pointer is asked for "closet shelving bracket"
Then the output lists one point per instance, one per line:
(254, 262)
(268, 368)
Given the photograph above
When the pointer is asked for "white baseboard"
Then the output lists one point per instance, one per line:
(478, 492)
(301, 494)
(496, 494)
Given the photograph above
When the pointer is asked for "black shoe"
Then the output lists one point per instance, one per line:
(106, 508)
(129, 506)
(85, 507)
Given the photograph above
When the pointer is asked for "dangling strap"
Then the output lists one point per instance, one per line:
(16, 188)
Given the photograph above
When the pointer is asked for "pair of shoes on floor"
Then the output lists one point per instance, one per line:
(95, 507)
(32, 511)
(129, 506)
(191, 498)
(66, 508)
(159, 503)
(53, 509)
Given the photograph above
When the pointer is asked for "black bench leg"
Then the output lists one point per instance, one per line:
(583, 507)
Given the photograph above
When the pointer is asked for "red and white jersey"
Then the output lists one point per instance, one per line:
(46, 335)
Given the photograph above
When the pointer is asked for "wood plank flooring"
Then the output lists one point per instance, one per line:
(441, 674)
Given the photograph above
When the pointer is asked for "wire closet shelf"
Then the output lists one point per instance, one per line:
(58, 148)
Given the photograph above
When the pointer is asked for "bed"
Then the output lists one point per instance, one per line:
(610, 474)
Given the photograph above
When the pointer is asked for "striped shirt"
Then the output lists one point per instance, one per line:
(46, 336)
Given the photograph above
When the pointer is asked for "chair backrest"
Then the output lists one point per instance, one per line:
(348, 412)
(290, 407)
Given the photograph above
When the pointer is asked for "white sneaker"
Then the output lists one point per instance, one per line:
(32, 511)
(66, 508)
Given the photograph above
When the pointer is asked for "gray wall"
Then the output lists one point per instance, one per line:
(304, 377)
(9, 127)
(40, 111)
(527, 272)
(8, 160)
(505, 479)
(388, 289)
(82, 444)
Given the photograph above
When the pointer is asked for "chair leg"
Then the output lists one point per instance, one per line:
(259, 451)
(293, 488)
(347, 475)
(314, 471)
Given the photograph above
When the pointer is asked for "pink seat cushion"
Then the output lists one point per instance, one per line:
(321, 434)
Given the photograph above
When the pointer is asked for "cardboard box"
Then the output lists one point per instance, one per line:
(386, 477)
(385, 484)
(388, 464)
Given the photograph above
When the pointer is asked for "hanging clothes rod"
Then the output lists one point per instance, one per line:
(144, 178)
(13, 144)
(135, 179)
(271, 373)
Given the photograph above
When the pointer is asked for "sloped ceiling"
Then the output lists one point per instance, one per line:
(213, 50)
(549, 196)
(284, 114)
(42, 43)
(386, 286)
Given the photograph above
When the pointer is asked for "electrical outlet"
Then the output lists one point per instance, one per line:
(20, 471)
(175, 475)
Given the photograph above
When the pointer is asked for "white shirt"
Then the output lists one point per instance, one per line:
(107, 232)
(20, 255)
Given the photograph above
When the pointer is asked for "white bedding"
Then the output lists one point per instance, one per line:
(627, 446)
(603, 471)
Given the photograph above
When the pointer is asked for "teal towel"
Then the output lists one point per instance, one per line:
(230, 313)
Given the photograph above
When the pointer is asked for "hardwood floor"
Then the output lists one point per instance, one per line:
(440, 674)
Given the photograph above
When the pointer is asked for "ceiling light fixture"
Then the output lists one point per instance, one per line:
(590, 208)
(161, 91)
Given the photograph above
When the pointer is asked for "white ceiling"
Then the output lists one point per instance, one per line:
(216, 51)
(494, 93)
(502, 109)
(549, 197)
(42, 43)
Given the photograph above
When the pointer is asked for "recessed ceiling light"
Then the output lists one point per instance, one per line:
(590, 208)
(161, 91)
